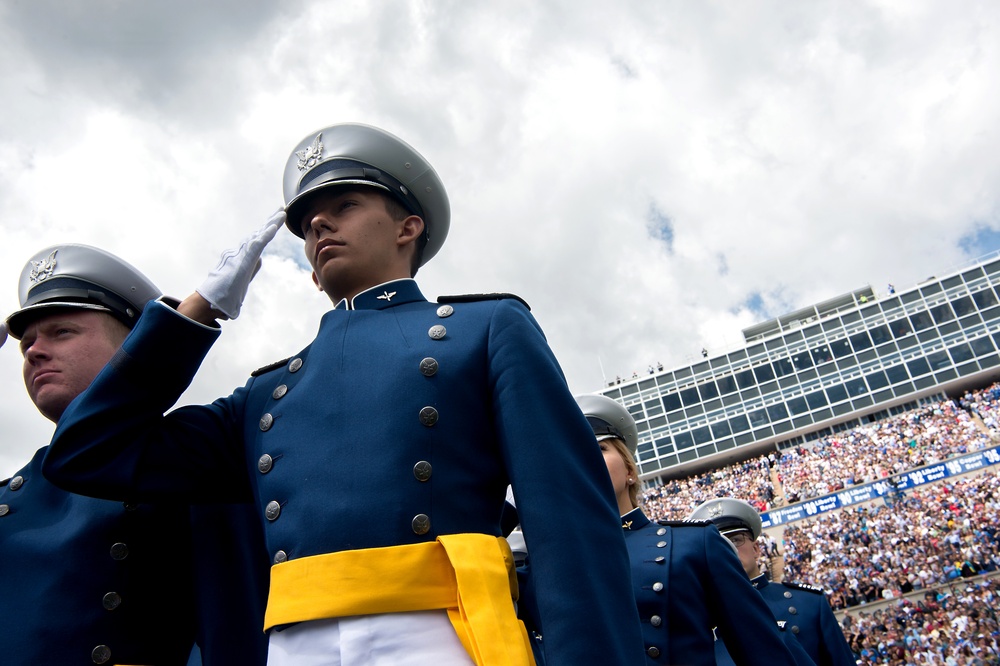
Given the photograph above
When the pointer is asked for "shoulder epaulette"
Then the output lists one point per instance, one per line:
(470, 298)
(685, 523)
(803, 586)
(268, 368)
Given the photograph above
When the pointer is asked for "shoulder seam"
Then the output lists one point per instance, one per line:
(269, 367)
(470, 298)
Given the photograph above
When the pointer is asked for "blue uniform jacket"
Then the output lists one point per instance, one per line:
(89, 581)
(807, 614)
(688, 580)
(402, 421)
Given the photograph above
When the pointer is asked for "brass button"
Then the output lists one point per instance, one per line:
(445, 311)
(112, 600)
(294, 365)
(421, 524)
(101, 654)
(265, 463)
(428, 416)
(657, 587)
(266, 422)
(16, 482)
(279, 392)
(656, 620)
(119, 551)
(437, 331)
(280, 556)
(272, 510)
(422, 470)
(428, 367)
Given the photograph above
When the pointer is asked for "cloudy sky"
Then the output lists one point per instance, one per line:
(651, 176)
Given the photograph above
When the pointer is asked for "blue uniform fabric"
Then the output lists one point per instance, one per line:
(86, 581)
(688, 580)
(723, 658)
(383, 426)
(807, 614)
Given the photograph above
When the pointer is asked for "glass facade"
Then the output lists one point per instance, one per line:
(818, 368)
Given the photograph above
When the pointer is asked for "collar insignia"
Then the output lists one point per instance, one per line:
(42, 270)
(311, 155)
(386, 296)
(627, 525)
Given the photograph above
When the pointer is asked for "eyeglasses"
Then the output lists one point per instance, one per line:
(738, 539)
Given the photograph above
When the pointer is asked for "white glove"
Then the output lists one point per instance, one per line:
(3, 332)
(226, 286)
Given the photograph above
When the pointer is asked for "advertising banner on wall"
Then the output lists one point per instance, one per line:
(883, 488)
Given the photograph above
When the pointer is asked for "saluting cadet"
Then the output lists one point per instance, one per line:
(802, 609)
(378, 456)
(686, 577)
(95, 581)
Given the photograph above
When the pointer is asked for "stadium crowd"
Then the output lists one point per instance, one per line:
(866, 453)
(941, 538)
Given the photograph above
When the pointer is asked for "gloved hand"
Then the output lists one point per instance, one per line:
(3, 332)
(226, 286)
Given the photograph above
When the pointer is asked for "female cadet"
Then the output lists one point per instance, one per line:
(686, 577)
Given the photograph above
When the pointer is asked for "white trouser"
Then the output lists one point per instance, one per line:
(392, 639)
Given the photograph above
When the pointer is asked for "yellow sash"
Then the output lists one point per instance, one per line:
(470, 575)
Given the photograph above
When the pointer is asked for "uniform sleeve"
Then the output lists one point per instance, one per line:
(744, 621)
(834, 649)
(114, 442)
(565, 501)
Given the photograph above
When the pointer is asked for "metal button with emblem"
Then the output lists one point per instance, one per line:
(660, 559)
(280, 556)
(421, 524)
(788, 595)
(294, 365)
(428, 367)
(661, 531)
(656, 620)
(445, 311)
(119, 551)
(661, 544)
(657, 587)
(265, 463)
(111, 600)
(4, 509)
(428, 416)
(279, 391)
(422, 470)
(653, 651)
(792, 610)
(272, 510)
(16, 483)
(437, 331)
(266, 422)
(100, 654)
(795, 629)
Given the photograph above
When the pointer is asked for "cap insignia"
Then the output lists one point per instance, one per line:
(386, 296)
(311, 155)
(715, 511)
(42, 270)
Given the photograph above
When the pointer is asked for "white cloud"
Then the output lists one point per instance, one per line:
(798, 151)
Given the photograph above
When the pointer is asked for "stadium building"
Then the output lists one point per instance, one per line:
(829, 367)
